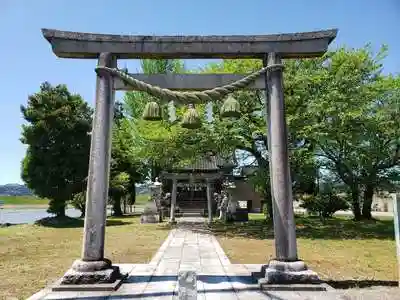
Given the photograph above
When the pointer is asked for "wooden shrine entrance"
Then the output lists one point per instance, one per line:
(191, 195)
(193, 191)
(193, 185)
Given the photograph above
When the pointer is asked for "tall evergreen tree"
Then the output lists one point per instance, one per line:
(56, 160)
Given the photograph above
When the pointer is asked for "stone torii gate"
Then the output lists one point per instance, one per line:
(93, 267)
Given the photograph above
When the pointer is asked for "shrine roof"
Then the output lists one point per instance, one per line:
(208, 163)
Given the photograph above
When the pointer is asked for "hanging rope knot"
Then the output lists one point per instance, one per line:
(275, 67)
(215, 94)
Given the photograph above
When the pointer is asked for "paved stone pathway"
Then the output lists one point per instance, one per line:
(191, 248)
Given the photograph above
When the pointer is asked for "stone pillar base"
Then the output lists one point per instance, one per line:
(149, 219)
(282, 272)
(91, 272)
(172, 222)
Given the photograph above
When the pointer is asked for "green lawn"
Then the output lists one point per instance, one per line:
(338, 249)
(23, 200)
(32, 256)
(142, 199)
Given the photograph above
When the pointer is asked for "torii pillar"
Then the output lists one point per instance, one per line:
(93, 267)
(285, 267)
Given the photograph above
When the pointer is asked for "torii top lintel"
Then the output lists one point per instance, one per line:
(69, 44)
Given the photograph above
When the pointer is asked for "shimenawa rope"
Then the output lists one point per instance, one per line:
(214, 94)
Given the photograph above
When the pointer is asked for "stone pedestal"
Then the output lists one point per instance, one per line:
(155, 195)
(149, 219)
(173, 201)
(95, 272)
(281, 272)
(150, 213)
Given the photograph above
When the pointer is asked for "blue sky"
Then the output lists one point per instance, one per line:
(27, 59)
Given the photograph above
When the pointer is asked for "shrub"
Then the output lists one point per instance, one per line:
(79, 202)
(324, 204)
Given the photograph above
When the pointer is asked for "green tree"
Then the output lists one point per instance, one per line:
(380, 149)
(123, 158)
(119, 188)
(339, 108)
(78, 201)
(325, 203)
(351, 114)
(56, 160)
(249, 133)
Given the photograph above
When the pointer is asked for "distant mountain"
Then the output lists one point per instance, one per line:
(14, 189)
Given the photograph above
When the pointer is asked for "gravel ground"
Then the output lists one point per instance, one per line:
(373, 293)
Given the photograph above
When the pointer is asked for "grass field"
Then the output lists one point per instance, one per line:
(23, 200)
(339, 249)
(32, 256)
(141, 199)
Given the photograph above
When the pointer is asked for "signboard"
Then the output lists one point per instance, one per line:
(396, 221)
(1, 204)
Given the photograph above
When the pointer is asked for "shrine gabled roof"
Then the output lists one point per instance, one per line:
(208, 163)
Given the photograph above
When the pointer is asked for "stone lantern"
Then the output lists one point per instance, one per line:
(152, 211)
(156, 191)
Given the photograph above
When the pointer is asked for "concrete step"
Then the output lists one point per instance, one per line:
(191, 214)
(191, 209)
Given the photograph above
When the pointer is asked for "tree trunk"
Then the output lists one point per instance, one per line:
(263, 163)
(268, 203)
(61, 212)
(132, 198)
(57, 207)
(367, 202)
(355, 203)
(124, 204)
(82, 209)
(117, 206)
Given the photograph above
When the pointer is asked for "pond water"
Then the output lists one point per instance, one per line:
(30, 215)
